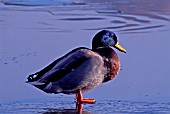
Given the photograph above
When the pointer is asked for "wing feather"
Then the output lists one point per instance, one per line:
(60, 67)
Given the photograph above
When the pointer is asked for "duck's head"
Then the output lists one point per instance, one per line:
(106, 38)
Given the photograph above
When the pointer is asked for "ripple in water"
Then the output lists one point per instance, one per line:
(41, 3)
(129, 19)
(119, 22)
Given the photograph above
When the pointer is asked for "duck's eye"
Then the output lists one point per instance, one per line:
(105, 37)
(108, 40)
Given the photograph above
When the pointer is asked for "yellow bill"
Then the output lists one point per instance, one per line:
(119, 47)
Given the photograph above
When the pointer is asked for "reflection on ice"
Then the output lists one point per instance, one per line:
(65, 111)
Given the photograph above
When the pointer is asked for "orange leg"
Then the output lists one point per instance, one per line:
(80, 100)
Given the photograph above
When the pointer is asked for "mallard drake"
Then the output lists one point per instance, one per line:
(81, 69)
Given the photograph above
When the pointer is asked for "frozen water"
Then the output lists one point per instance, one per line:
(101, 107)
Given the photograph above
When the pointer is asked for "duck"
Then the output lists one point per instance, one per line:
(81, 69)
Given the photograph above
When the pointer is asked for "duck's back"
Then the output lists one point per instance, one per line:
(80, 69)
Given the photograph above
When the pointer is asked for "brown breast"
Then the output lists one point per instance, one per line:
(111, 62)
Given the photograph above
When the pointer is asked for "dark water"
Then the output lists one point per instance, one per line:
(33, 33)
